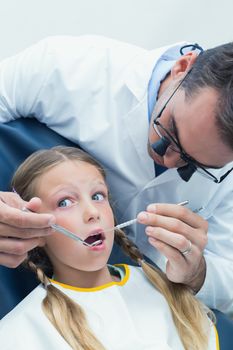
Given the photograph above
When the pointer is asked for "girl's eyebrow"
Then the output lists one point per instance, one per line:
(66, 190)
(100, 182)
(70, 187)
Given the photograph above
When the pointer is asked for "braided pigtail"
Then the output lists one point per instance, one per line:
(67, 316)
(188, 313)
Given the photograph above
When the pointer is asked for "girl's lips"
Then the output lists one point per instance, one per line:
(94, 236)
(98, 247)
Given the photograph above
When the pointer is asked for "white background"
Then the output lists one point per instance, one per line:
(147, 23)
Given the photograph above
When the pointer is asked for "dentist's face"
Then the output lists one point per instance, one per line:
(76, 193)
(192, 123)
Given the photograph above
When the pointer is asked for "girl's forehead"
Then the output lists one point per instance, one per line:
(73, 167)
(71, 172)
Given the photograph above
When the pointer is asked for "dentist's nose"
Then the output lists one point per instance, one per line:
(90, 213)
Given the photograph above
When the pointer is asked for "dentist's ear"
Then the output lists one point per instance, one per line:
(183, 65)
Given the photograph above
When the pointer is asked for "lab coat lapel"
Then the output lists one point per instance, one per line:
(137, 79)
(139, 136)
(139, 139)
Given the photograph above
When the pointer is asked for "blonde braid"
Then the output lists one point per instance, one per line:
(128, 246)
(67, 316)
(188, 313)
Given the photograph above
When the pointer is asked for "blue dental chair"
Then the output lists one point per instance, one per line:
(18, 139)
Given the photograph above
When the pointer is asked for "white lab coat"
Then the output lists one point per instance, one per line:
(121, 315)
(93, 91)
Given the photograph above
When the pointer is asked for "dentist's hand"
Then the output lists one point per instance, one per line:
(20, 231)
(181, 236)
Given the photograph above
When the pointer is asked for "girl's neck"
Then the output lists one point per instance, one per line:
(86, 279)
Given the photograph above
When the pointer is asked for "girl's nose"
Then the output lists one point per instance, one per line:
(91, 213)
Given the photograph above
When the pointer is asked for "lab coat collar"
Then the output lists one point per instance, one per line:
(139, 74)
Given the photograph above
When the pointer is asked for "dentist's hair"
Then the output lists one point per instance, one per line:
(189, 315)
(214, 69)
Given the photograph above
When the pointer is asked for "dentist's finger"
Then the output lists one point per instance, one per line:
(179, 212)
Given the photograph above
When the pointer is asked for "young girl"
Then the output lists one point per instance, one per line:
(83, 303)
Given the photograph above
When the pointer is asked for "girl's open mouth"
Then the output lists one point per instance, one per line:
(97, 238)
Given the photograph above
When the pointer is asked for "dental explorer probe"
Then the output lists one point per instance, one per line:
(70, 234)
(130, 222)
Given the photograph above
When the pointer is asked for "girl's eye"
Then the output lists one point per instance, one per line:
(65, 203)
(98, 197)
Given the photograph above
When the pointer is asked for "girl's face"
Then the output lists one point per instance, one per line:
(76, 193)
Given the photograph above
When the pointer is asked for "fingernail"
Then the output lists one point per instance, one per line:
(142, 217)
(151, 207)
(149, 230)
